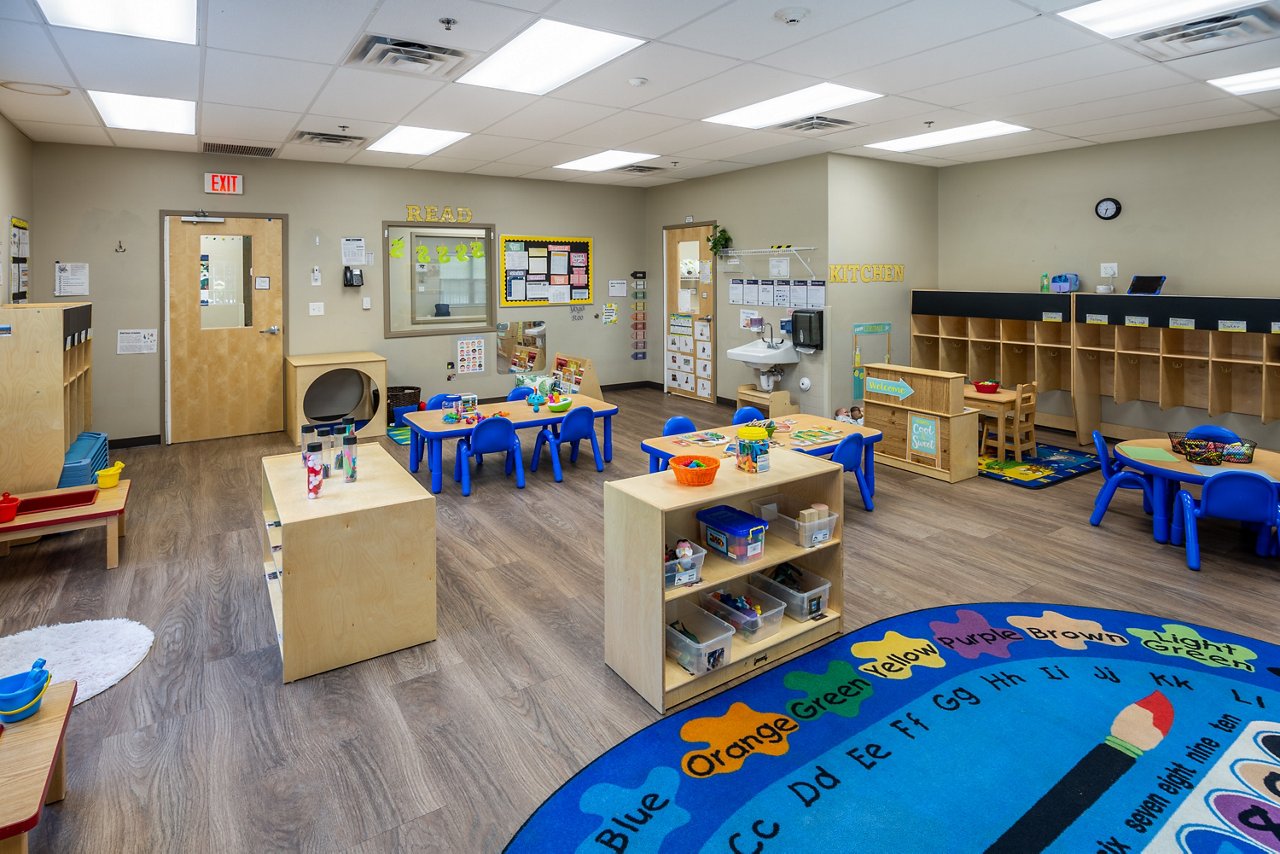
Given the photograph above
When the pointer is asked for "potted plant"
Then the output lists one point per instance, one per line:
(719, 240)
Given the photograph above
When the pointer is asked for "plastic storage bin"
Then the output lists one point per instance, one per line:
(781, 514)
(753, 626)
(707, 649)
(734, 533)
(804, 593)
(86, 456)
(675, 575)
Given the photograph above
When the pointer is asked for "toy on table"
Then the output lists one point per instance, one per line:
(452, 418)
(21, 693)
(852, 415)
(536, 401)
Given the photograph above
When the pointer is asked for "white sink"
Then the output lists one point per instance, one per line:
(761, 357)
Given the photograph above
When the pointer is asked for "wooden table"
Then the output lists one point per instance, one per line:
(1169, 470)
(998, 404)
(428, 428)
(106, 511)
(32, 766)
(662, 448)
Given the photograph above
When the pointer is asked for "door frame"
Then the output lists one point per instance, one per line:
(164, 297)
(715, 308)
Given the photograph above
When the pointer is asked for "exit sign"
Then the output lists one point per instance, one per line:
(217, 182)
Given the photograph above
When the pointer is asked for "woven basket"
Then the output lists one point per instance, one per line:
(401, 395)
(700, 476)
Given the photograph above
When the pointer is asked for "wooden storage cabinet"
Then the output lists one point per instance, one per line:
(930, 431)
(645, 514)
(300, 372)
(46, 398)
(350, 575)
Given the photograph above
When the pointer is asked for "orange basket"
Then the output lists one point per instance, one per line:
(700, 476)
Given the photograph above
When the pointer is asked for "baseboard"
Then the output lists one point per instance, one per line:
(133, 442)
(627, 386)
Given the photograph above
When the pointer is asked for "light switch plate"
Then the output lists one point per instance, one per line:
(317, 309)
(367, 303)
(1110, 269)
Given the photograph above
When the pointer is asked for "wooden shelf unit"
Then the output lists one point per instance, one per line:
(578, 375)
(301, 371)
(1169, 350)
(930, 431)
(350, 575)
(46, 398)
(643, 514)
(772, 403)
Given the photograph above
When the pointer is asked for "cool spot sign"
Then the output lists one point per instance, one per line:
(922, 436)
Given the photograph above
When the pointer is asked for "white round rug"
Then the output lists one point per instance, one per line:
(95, 653)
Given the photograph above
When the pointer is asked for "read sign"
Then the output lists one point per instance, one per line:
(217, 182)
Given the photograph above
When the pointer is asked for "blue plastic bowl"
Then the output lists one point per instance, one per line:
(18, 692)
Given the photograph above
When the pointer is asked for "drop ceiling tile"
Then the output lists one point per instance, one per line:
(898, 157)
(246, 123)
(485, 148)
(19, 10)
(550, 154)
(467, 108)
(158, 69)
(384, 158)
(1208, 123)
(504, 170)
(1007, 142)
(1229, 62)
(712, 167)
(730, 149)
(71, 109)
(1266, 100)
(894, 34)
(74, 134)
(376, 96)
(647, 20)
(312, 30)
(623, 128)
(1147, 78)
(371, 131)
(610, 177)
(318, 153)
(787, 151)
(651, 181)
(1053, 5)
(1059, 144)
(238, 79)
(1101, 108)
(28, 54)
(739, 86)
(747, 29)
(689, 136)
(442, 163)
(481, 26)
(1156, 118)
(153, 141)
(905, 126)
(665, 67)
(549, 118)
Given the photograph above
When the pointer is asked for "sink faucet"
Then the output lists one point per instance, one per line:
(769, 342)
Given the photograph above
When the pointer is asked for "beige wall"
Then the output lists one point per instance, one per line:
(15, 192)
(92, 197)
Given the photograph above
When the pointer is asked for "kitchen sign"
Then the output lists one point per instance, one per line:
(223, 184)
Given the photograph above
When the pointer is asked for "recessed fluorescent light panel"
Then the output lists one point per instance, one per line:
(166, 20)
(806, 102)
(547, 55)
(137, 112)
(1247, 84)
(967, 133)
(1117, 18)
(410, 140)
(605, 161)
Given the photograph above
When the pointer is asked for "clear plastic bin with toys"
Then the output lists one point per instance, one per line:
(697, 641)
(804, 593)
(753, 613)
(682, 564)
(734, 533)
(805, 526)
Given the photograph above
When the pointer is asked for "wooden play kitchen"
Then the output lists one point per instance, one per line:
(33, 766)
(350, 575)
(927, 427)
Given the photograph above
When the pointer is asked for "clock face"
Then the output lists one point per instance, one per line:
(1107, 209)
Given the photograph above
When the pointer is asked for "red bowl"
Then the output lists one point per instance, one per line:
(987, 387)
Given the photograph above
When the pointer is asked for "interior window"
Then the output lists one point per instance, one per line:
(439, 279)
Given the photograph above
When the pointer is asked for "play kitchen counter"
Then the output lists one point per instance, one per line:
(351, 575)
(927, 427)
(644, 514)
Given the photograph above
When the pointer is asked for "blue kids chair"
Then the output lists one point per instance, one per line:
(436, 401)
(520, 392)
(1243, 495)
(492, 435)
(675, 425)
(1116, 477)
(849, 453)
(1213, 433)
(747, 414)
(578, 424)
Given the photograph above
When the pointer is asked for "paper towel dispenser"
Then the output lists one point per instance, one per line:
(806, 327)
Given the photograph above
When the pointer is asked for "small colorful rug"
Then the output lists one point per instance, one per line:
(399, 435)
(1050, 465)
(998, 727)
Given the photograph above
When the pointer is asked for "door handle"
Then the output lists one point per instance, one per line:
(270, 330)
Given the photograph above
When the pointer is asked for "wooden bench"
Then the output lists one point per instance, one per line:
(32, 768)
(107, 511)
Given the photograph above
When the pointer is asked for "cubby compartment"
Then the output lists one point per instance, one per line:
(1234, 387)
(953, 327)
(1017, 364)
(1271, 394)
(984, 329)
(1053, 368)
(984, 361)
(924, 351)
(1095, 373)
(953, 355)
(1017, 331)
(1271, 348)
(1184, 381)
(1095, 336)
(924, 324)
(1185, 342)
(1137, 377)
(1048, 332)
(1137, 339)
(1236, 346)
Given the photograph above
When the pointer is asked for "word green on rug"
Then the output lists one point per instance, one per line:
(990, 727)
(1050, 465)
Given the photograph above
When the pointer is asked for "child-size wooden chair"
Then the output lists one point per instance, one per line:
(1019, 428)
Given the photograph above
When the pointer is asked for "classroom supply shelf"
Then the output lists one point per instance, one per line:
(350, 575)
(653, 509)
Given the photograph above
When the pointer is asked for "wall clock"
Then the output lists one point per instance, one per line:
(1107, 209)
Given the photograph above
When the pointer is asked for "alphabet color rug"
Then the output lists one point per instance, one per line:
(995, 727)
(95, 653)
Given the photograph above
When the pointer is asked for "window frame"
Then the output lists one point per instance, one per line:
(445, 326)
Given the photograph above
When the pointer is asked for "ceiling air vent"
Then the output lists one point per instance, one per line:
(384, 53)
(328, 140)
(816, 125)
(241, 150)
(637, 169)
(1231, 29)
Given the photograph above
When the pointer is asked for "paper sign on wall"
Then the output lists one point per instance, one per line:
(70, 279)
(135, 341)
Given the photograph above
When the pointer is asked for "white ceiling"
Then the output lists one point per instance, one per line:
(266, 69)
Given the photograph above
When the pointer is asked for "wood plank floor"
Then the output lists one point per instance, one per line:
(450, 745)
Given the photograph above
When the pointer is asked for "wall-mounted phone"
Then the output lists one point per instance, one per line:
(352, 277)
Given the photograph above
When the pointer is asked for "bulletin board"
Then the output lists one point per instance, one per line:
(538, 271)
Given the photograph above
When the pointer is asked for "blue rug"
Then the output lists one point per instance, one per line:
(399, 435)
(993, 727)
(1050, 465)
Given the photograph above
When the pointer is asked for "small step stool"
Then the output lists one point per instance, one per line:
(771, 403)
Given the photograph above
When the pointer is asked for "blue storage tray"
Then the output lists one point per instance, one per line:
(87, 454)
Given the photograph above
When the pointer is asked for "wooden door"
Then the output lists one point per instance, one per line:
(225, 352)
(689, 271)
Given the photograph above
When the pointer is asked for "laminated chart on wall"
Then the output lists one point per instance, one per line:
(540, 270)
(471, 355)
(639, 316)
(19, 253)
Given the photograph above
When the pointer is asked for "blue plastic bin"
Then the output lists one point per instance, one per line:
(20, 694)
(86, 456)
(734, 533)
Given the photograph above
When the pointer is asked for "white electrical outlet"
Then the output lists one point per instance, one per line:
(317, 309)
(1110, 269)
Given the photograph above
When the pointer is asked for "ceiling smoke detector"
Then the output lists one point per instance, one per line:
(385, 53)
